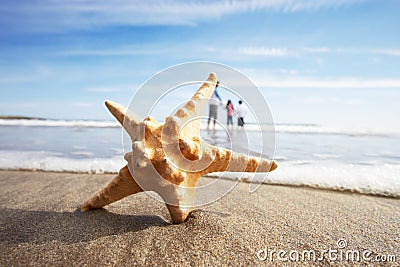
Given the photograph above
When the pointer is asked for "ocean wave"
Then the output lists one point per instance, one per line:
(325, 130)
(368, 179)
(59, 123)
(57, 162)
(374, 180)
(278, 128)
(325, 156)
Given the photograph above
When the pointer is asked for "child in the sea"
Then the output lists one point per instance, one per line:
(229, 111)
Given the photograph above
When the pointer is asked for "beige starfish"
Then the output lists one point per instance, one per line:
(170, 158)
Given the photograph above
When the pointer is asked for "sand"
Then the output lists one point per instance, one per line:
(40, 225)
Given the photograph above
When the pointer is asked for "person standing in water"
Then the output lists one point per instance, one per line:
(229, 111)
(215, 100)
(241, 112)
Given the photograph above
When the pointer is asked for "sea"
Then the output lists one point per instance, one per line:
(352, 160)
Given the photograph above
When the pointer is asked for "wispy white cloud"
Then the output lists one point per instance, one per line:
(282, 51)
(370, 51)
(388, 52)
(119, 51)
(269, 79)
(83, 14)
(315, 83)
(300, 51)
(288, 71)
(264, 51)
(226, 52)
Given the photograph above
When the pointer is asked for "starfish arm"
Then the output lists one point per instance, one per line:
(251, 164)
(130, 121)
(181, 132)
(178, 214)
(194, 107)
(121, 186)
(181, 202)
(227, 160)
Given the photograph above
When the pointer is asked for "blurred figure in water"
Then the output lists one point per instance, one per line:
(214, 101)
(229, 111)
(241, 112)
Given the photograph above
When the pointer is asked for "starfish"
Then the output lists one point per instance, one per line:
(170, 158)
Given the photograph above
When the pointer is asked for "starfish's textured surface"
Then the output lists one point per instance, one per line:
(169, 158)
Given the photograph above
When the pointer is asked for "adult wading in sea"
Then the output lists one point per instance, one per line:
(214, 101)
(241, 112)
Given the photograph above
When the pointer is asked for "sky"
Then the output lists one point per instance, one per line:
(329, 62)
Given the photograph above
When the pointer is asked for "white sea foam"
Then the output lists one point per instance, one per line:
(326, 156)
(79, 147)
(59, 123)
(83, 154)
(318, 129)
(280, 158)
(376, 179)
(48, 161)
(279, 128)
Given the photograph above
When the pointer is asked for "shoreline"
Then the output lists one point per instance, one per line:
(245, 180)
(41, 226)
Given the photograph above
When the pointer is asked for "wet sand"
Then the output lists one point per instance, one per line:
(40, 225)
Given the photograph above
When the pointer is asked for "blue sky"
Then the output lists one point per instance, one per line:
(330, 62)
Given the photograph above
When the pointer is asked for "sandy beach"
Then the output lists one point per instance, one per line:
(40, 225)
